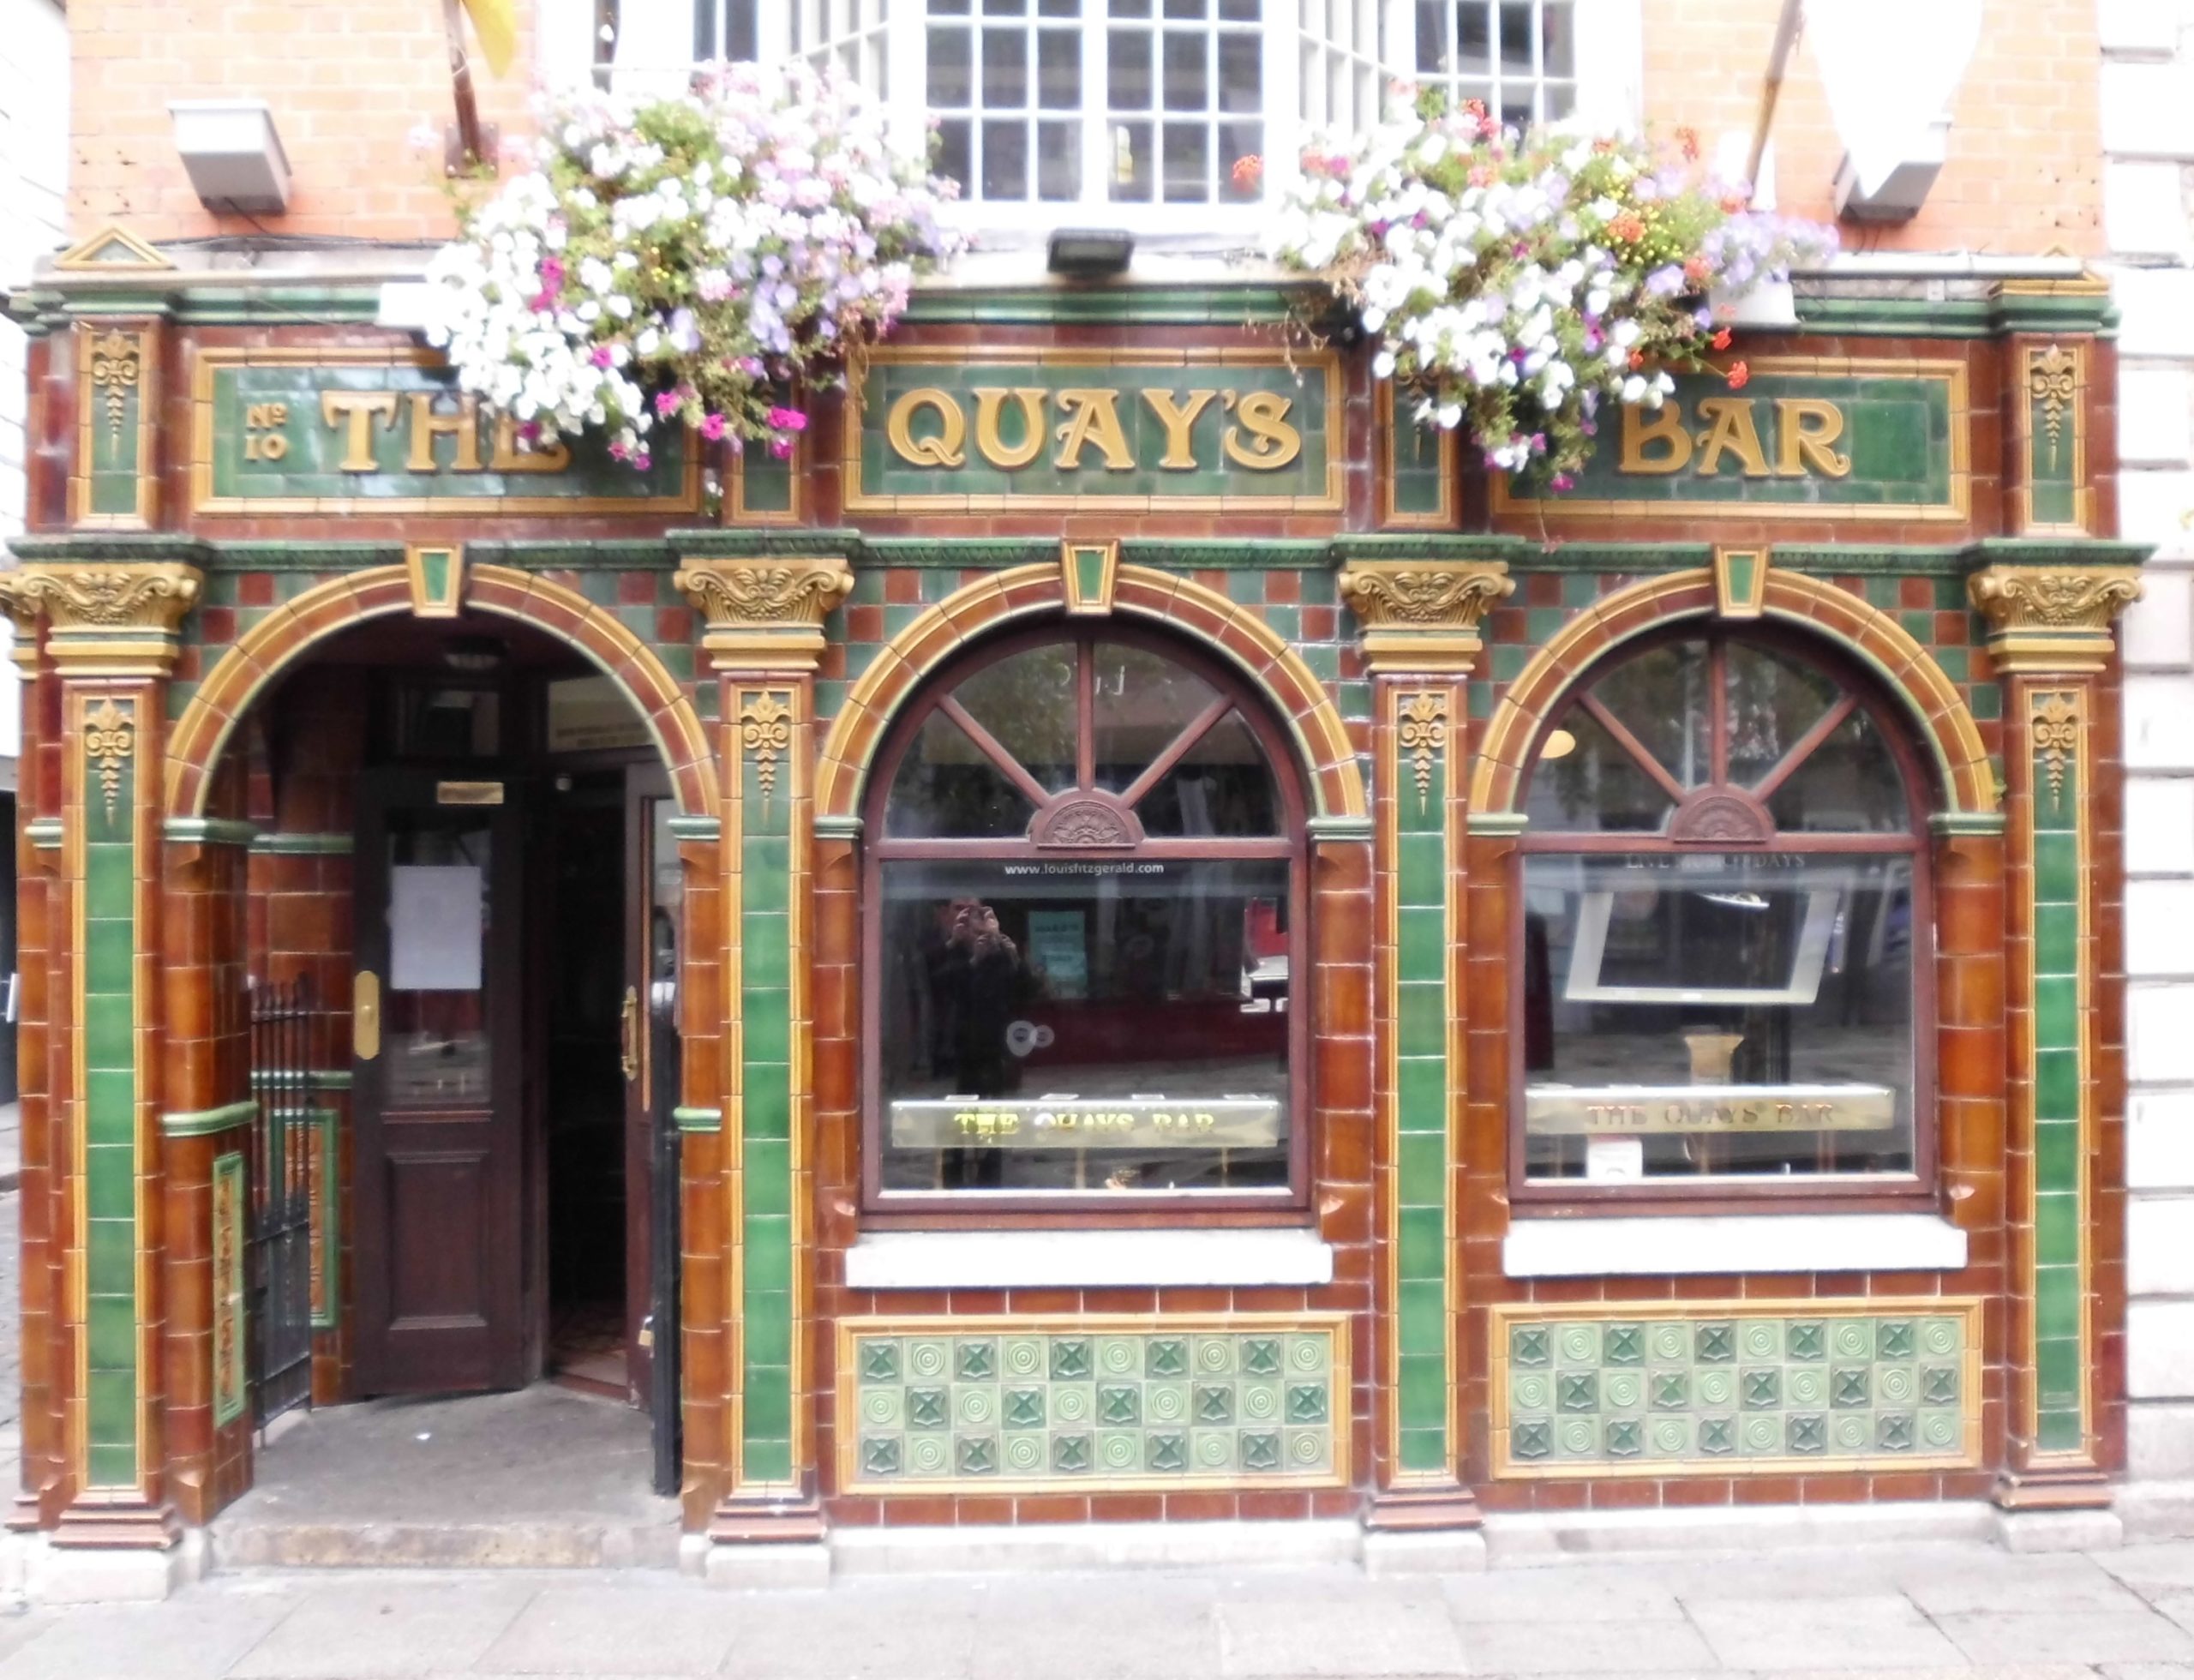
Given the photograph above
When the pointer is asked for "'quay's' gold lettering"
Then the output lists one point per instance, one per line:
(929, 426)
(946, 446)
(1093, 416)
(1180, 419)
(990, 445)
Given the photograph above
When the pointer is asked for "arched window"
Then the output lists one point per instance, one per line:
(1726, 942)
(1085, 914)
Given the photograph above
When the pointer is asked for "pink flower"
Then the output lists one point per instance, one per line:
(666, 402)
(712, 427)
(642, 461)
(620, 450)
(601, 358)
(788, 420)
(781, 448)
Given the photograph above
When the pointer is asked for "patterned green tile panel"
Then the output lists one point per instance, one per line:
(1036, 1407)
(1592, 1395)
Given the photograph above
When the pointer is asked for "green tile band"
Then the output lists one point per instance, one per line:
(761, 1113)
(1424, 1076)
(1088, 1405)
(327, 1221)
(2057, 883)
(205, 1122)
(1734, 1388)
(106, 1028)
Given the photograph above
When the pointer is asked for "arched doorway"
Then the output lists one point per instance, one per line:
(464, 844)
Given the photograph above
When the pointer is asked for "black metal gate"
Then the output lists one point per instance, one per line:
(286, 1051)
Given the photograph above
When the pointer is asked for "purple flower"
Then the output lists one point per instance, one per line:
(1666, 281)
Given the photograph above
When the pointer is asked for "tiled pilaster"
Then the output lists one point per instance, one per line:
(765, 634)
(2051, 639)
(1420, 621)
(113, 640)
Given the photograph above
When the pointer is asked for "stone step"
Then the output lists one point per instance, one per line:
(534, 1543)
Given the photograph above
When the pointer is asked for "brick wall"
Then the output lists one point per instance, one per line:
(348, 84)
(2022, 174)
(2147, 79)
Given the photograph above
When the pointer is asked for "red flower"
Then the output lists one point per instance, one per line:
(1637, 360)
(1627, 226)
(1248, 170)
(1698, 270)
(1687, 142)
(1740, 375)
(1721, 340)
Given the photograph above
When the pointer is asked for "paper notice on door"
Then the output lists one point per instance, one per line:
(434, 917)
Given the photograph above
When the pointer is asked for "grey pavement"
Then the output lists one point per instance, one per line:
(1938, 1611)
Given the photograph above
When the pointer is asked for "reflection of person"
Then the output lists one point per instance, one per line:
(977, 980)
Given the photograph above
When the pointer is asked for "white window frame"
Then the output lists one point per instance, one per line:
(1304, 41)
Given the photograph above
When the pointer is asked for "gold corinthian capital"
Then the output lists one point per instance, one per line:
(1423, 615)
(765, 615)
(2052, 619)
(106, 619)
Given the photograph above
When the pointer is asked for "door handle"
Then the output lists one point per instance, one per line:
(628, 1035)
(365, 1014)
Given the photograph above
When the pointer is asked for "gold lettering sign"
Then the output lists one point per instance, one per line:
(1075, 1123)
(1052, 428)
(1811, 437)
(341, 428)
(1603, 1111)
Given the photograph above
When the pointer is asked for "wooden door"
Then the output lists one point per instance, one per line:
(437, 1024)
(654, 947)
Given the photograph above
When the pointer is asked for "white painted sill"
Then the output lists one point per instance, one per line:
(1703, 1243)
(1242, 1258)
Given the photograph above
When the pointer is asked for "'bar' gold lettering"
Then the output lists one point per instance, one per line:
(1805, 427)
(1662, 426)
(1730, 429)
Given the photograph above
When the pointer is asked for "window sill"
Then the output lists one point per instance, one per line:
(1087, 1259)
(1699, 1244)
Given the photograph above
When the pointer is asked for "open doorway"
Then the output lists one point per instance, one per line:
(501, 940)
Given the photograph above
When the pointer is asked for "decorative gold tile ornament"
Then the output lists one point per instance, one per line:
(114, 482)
(765, 615)
(1739, 583)
(113, 248)
(1423, 615)
(2052, 619)
(436, 573)
(1423, 736)
(110, 738)
(1087, 572)
(765, 731)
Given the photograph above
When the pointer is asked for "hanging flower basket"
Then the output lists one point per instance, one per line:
(1519, 282)
(686, 261)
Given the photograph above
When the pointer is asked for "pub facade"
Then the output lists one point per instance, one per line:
(1121, 936)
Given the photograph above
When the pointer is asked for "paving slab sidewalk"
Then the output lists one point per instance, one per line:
(1943, 1612)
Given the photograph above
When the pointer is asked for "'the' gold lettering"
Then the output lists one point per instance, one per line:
(356, 411)
(426, 424)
